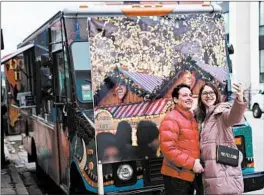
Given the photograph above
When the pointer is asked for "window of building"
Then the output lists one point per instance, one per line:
(261, 18)
(261, 42)
(261, 66)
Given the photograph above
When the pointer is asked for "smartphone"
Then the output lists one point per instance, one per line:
(233, 80)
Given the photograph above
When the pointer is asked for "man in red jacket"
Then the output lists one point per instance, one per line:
(179, 144)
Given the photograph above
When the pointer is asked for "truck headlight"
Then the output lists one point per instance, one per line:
(124, 172)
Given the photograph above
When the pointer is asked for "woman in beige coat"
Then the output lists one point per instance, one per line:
(217, 120)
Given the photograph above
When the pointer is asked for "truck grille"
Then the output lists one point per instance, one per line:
(152, 171)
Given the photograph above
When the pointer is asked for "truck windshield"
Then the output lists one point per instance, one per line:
(81, 60)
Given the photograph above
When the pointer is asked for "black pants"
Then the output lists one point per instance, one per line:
(177, 186)
(198, 184)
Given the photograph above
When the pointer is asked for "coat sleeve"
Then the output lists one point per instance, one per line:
(169, 133)
(234, 115)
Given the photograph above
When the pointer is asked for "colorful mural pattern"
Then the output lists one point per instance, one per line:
(147, 57)
(157, 44)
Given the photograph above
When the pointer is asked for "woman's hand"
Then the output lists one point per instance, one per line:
(239, 91)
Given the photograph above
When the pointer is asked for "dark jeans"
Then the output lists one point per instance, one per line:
(177, 186)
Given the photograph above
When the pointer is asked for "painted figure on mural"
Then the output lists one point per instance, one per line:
(124, 140)
(147, 139)
(108, 150)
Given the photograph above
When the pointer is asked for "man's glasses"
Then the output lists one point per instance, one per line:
(210, 93)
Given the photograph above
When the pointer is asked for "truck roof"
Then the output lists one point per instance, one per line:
(129, 10)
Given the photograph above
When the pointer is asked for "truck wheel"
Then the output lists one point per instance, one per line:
(40, 174)
(30, 158)
(256, 111)
(76, 185)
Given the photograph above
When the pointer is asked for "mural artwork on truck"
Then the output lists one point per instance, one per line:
(136, 62)
(16, 82)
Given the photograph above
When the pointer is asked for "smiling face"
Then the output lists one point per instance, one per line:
(208, 96)
(185, 100)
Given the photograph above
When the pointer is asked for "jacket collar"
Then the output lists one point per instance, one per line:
(187, 114)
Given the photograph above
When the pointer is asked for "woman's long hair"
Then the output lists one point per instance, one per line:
(201, 109)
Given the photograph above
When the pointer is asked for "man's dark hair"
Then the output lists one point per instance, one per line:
(175, 92)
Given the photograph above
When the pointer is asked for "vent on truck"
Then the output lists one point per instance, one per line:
(152, 175)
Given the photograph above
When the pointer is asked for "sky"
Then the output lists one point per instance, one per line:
(20, 19)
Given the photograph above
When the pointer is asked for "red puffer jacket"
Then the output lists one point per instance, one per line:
(179, 144)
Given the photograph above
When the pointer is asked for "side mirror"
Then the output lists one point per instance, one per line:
(230, 49)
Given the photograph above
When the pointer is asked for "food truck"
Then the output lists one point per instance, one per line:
(98, 81)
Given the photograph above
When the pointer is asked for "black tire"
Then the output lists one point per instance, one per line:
(40, 174)
(76, 185)
(256, 111)
(33, 156)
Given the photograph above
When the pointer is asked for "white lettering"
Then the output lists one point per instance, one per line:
(228, 155)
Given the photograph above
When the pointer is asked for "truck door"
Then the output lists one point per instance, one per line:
(61, 90)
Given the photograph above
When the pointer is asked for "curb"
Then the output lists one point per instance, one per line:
(20, 188)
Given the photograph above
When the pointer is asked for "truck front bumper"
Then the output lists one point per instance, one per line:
(146, 190)
(253, 181)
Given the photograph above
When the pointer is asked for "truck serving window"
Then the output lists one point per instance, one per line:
(81, 61)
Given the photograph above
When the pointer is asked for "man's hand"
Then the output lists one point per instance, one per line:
(197, 167)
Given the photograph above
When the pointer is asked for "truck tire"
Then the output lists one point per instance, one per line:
(40, 174)
(76, 184)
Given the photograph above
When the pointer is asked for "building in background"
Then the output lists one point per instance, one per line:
(261, 41)
(245, 30)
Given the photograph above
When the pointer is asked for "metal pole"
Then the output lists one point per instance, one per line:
(100, 178)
